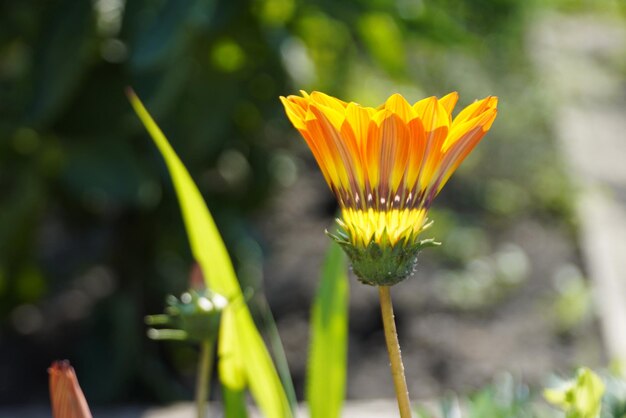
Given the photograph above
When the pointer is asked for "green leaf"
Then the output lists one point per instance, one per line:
(234, 403)
(243, 357)
(326, 383)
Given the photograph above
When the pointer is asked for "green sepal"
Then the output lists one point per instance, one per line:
(194, 317)
(382, 264)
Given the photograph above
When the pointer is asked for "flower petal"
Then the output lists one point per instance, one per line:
(398, 105)
(359, 118)
(334, 116)
(449, 101)
(342, 149)
(296, 108)
(436, 125)
(393, 154)
(476, 109)
(466, 137)
(326, 100)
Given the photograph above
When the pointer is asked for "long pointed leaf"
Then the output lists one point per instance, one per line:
(234, 403)
(326, 382)
(243, 355)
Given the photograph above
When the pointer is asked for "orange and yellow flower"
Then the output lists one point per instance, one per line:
(385, 165)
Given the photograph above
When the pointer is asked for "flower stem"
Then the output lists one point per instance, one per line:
(204, 377)
(391, 337)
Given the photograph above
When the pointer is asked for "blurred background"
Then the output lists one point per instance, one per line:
(91, 237)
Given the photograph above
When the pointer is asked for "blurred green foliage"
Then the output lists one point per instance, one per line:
(586, 395)
(90, 236)
(504, 398)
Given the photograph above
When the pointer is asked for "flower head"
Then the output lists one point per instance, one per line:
(385, 165)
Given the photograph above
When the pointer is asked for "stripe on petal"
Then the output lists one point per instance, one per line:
(328, 154)
(343, 149)
(436, 124)
(417, 149)
(394, 154)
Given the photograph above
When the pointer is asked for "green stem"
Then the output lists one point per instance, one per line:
(393, 347)
(204, 377)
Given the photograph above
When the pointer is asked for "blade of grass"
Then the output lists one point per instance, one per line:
(326, 382)
(278, 351)
(243, 355)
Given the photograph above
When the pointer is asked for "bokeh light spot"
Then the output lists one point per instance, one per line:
(228, 56)
(26, 319)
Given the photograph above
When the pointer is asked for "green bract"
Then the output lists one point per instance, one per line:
(195, 316)
(382, 264)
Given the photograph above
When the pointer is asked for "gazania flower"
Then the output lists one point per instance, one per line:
(385, 165)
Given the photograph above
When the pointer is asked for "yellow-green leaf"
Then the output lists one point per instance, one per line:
(231, 367)
(326, 381)
(244, 359)
(234, 403)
